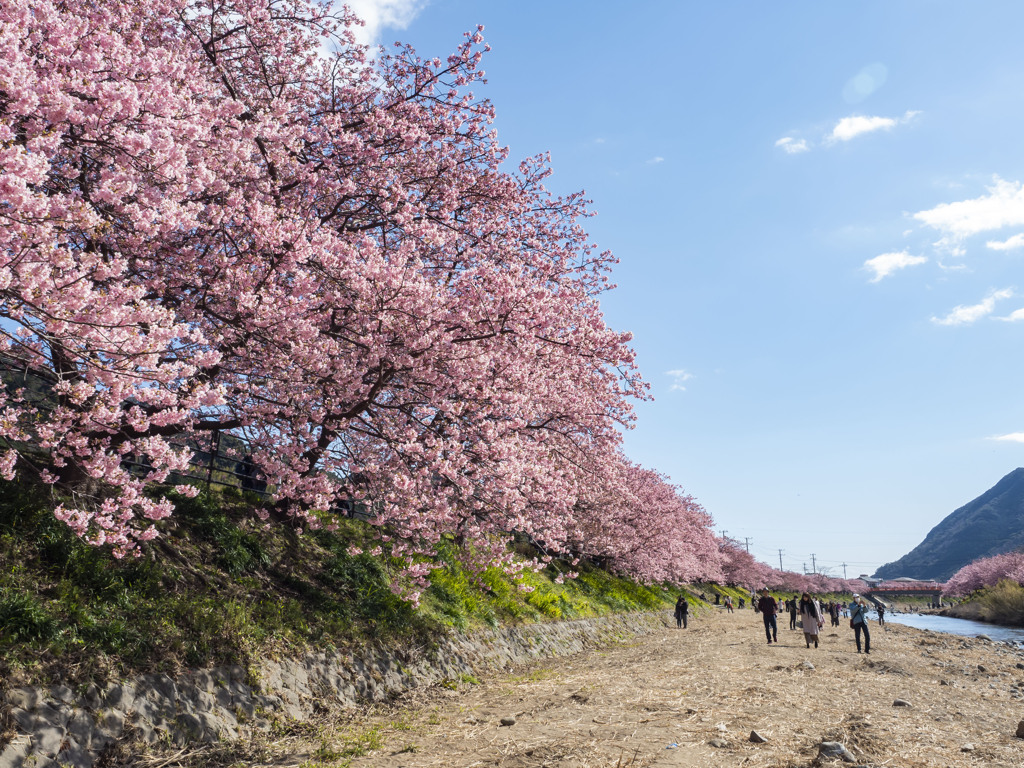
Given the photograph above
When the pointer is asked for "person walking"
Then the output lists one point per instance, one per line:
(859, 622)
(768, 606)
(833, 612)
(881, 615)
(682, 612)
(728, 603)
(810, 616)
(791, 607)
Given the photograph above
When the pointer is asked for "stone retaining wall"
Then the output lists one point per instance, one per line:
(58, 726)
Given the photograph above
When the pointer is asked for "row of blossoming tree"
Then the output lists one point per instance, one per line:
(986, 572)
(739, 567)
(209, 224)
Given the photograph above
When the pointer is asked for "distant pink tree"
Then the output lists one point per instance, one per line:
(788, 581)
(986, 572)
(647, 528)
(741, 568)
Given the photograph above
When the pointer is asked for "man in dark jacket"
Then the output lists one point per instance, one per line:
(768, 606)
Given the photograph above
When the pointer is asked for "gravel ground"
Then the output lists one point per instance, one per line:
(692, 698)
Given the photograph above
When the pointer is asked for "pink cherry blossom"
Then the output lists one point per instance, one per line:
(207, 225)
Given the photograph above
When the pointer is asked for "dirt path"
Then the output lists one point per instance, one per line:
(716, 682)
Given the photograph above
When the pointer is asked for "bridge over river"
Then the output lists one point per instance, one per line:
(885, 592)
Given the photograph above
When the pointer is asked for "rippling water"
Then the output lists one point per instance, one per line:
(957, 626)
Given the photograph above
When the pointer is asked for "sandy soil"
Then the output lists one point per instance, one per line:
(662, 700)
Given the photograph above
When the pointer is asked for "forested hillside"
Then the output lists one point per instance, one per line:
(991, 524)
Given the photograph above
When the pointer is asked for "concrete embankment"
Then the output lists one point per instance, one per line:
(58, 725)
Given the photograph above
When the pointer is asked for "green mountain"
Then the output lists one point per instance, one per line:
(991, 524)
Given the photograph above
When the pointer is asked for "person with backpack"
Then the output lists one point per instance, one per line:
(682, 612)
(859, 622)
(791, 607)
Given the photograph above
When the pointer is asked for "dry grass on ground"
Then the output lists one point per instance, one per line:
(716, 681)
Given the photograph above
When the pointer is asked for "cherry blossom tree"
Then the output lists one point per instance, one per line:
(208, 226)
(740, 568)
(641, 525)
(986, 572)
(788, 581)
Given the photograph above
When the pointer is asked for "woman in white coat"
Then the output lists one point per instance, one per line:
(810, 617)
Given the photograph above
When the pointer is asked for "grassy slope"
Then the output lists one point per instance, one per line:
(217, 588)
(1002, 603)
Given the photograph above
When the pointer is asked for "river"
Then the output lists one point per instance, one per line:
(953, 626)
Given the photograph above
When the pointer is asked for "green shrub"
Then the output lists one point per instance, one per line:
(1002, 603)
(23, 619)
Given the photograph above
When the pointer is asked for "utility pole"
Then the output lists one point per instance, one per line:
(805, 569)
(747, 540)
(844, 570)
(814, 564)
(722, 533)
(780, 559)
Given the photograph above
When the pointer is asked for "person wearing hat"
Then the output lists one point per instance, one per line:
(768, 606)
(859, 622)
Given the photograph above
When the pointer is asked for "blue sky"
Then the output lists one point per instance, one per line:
(819, 214)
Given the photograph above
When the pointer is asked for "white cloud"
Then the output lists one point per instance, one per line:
(381, 14)
(887, 263)
(679, 376)
(1017, 241)
(656, 160)
(1013, 317)
(792, 146)
(1002, 207)
(1013, 437)
(966, 314)
(855, 125)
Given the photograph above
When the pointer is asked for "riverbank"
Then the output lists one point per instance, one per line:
(1001, 603)
(692, 698)
(960, 627)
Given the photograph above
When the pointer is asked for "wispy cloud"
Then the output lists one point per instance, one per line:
(856, 125)
(679, 378)
(1013, 437)
(965, 314)
(1016, 316)
(1003, 206)
(887, 263)
(1017, 241)
(383, 14)
(656, 160)
(792, 146)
